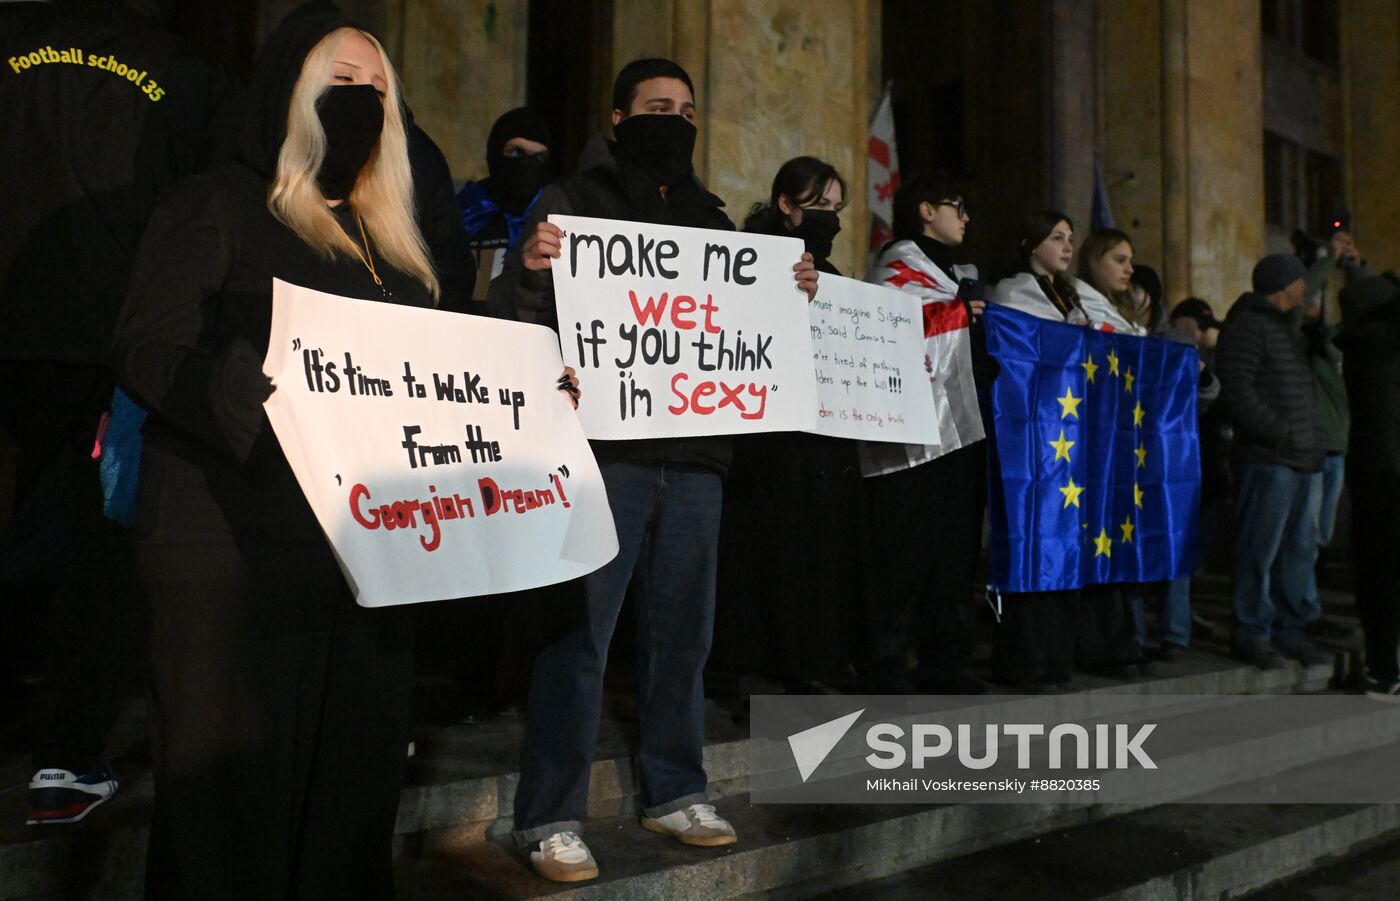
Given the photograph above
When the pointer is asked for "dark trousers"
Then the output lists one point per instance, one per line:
(1035, 641)
(1375, 535)
(281, 725)
(667, 520)
(926, 534)
(790, 560)
(1105, 634)
(65, 570)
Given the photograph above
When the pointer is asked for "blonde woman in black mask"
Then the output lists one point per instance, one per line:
(280, 708)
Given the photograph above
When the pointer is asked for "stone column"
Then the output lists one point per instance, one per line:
(463, 64)
(1175, 154)
(1371, 82)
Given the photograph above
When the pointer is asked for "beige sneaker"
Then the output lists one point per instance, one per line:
(697, 824)
(563, 857)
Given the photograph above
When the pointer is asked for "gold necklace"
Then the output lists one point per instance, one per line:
(367, 257)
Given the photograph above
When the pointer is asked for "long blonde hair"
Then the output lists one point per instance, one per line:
(383, 193)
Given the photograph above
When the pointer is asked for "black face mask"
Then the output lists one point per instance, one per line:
(352, 116)
(516, 180)
(661, 144)
(817, 230)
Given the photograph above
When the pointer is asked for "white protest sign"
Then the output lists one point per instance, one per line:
(435, 449)
(868, 349)
(683, 331)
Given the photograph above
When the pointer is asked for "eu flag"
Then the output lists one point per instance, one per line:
(1095, 470)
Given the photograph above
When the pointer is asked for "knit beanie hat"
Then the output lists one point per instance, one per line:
(1276, 272)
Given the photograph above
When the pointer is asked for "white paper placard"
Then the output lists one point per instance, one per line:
(868, 350)
(683, 331)
(435, 449)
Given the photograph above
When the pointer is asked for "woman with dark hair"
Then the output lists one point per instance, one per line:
(1045, 248)
(787, 599)
(807, 198)
(1147, 296)
(1105, 282)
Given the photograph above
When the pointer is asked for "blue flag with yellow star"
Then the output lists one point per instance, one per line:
(1095, 463)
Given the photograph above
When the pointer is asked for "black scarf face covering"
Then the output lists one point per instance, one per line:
(660, 144)
(516, 180)
(352, 116)
(818, 230)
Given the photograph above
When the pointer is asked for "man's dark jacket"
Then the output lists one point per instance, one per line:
(528, 294)
(1266, 387)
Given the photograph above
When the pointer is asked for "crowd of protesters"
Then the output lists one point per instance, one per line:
(280, 710)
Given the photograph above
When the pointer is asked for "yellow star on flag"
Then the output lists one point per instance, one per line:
(1062, 447)
(1089, 367)
(1069, 404)
(1103, 545)
(1127, 528)
(1071, 493)
(1112, 363)
(1128, 381)
(1137, 495)
(1141, 455)
(1138, 413)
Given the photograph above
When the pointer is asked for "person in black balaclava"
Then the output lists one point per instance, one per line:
(494, 209)
(665, 495)
(280, 707)
(785, 599)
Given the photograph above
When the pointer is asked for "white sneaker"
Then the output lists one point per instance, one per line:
(563, 857)
(697, 824)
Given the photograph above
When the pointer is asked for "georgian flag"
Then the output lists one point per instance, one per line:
(881, 174)
(949, 345)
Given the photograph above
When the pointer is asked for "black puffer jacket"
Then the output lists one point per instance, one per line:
(1266, 387)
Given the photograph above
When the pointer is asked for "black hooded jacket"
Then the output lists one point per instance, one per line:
(102, 113)
(196, 324)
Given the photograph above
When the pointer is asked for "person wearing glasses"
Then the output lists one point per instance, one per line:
(917, 600)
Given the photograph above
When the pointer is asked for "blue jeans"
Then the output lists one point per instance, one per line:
(1333, 478)
(1334, 470)
(667, 521)
(1276, 513)
(1174, 624)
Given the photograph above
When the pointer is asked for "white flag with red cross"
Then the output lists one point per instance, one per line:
(882, 174)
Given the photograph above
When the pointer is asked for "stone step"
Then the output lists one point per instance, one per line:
(1368, 874)
(463, 783)
(801, 850)
(1185, 852)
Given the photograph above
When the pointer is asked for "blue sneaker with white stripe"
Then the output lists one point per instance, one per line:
(62, 796)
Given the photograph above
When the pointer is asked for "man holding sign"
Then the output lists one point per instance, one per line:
(665, 490)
